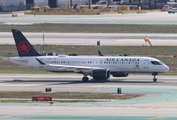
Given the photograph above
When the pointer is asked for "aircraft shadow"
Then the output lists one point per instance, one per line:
(76, 81)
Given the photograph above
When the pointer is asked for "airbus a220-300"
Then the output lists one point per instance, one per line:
(100, 68)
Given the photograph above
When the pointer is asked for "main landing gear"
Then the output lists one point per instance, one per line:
(85, 79)
(154, 79)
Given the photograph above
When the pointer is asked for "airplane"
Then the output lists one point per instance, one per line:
(100, 53)
(100, 68)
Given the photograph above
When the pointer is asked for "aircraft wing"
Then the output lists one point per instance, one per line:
(75, 68)
(71, 67)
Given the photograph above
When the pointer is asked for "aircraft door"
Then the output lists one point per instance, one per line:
(101, 62)
(146, 64)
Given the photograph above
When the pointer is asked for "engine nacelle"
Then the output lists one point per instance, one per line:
(120, 74)
(100, 74)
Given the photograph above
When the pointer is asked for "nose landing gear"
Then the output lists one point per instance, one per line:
(154, 79)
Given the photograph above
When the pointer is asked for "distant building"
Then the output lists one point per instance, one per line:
(51, 3)
(11, 5)
(12, 2)
(16, 5)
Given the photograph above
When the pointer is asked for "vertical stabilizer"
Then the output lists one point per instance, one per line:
(24, 48)
(99, 53)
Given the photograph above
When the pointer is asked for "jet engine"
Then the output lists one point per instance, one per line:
(100, 74)
(119, 74)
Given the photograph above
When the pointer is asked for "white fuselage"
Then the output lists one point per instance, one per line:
(114, 64)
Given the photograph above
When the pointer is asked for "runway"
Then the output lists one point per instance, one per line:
(148, 18)
(64, 82)
(159, 101)
(122, 39)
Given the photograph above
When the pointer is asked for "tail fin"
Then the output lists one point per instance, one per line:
(99, 53)
(24, 48)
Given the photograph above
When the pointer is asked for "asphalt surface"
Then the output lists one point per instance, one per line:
(159, 101)
(21, 82)
(92, 38)
(149, 18)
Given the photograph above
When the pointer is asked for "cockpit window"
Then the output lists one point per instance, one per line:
(156, 63)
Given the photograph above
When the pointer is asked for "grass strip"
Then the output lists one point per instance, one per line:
(61, 101)
(66, 95)
(14, 101)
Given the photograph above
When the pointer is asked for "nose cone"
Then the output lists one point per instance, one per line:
(166, 68)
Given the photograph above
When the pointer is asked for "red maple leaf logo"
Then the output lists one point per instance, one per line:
(23, 47)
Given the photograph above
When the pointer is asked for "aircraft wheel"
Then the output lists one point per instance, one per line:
(155, 79)
(85, 79)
